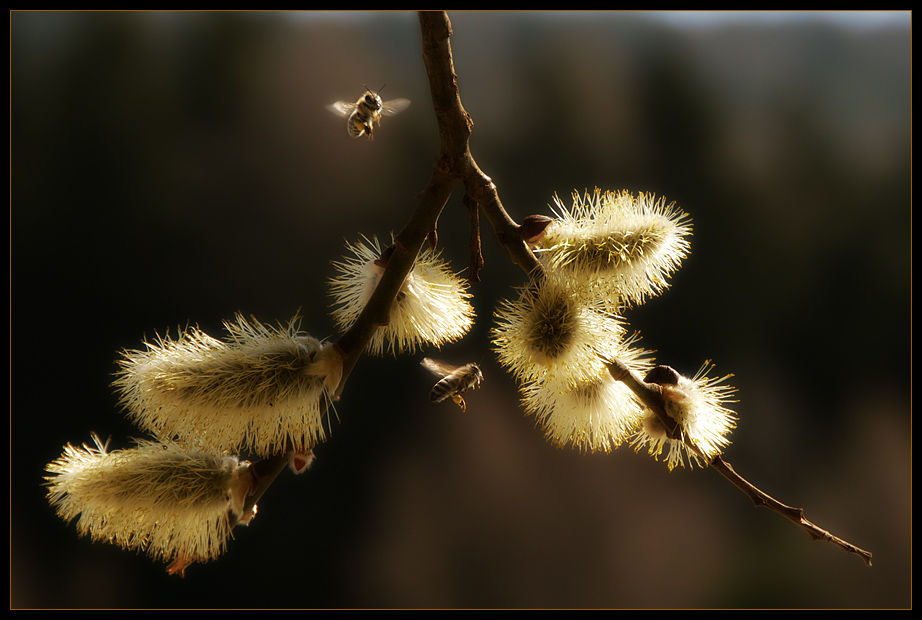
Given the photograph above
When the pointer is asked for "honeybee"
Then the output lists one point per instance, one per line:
(368, 110)
(455, 380)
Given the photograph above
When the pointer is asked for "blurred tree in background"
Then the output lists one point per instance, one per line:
(169, 168)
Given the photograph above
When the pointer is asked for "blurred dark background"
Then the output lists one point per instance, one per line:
(169, 168)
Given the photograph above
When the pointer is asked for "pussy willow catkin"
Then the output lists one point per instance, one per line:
(624, 245)
(261, 389)
(432, 307)
(171, 502)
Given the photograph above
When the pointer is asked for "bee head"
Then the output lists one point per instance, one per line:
(373, 99)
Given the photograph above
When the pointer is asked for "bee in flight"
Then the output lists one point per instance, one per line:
(368, 110)
(455, 380)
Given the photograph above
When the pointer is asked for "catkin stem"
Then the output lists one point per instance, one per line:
(650, 395)
(265, 472)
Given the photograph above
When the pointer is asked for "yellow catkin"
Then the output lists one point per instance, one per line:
(432, 307)
(162, 499)
(262, 389)
(624, 245)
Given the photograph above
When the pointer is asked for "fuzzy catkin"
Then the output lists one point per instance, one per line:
(159, 498)
(432, 307)
(555, 330)
(598, 414)
(262, 389)
(624, 246)
(697, 407)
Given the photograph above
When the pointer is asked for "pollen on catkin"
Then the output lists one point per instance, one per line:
(624, 245)
(262, 390)
(599, 414)
(555, 331)
(697, 406)
(172, 503)
(432, 307)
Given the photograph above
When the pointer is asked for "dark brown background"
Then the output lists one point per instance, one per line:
(174, 168)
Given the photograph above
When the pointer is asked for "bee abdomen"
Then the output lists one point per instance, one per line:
(441, 390)
(356, 129)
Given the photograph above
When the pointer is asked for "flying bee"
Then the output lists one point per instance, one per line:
(455, 380)
(368, 110)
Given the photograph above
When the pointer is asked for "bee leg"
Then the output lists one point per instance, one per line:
(458, 399)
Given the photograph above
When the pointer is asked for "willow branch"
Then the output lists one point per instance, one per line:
(448, 171)
(476, 256)
(453, 165)
(455, 127)
(264, 473)
(795, 515)
(651, 396)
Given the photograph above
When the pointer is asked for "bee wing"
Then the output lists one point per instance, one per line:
(436, 367)
(341, 108)
(394, 106)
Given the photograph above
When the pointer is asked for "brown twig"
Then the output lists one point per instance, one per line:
(650, 394)
(448, 171)
(455, 127)
(264, 473)
(476, 255)
(453, 165)
(795, 515)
